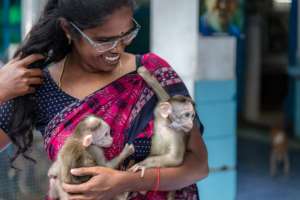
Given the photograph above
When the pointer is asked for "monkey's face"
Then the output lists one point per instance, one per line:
(102, 137)
(182, 116)
(99, 130)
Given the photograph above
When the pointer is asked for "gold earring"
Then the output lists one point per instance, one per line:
(69, 39)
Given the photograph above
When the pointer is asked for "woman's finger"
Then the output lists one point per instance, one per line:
(85, 171)
(75, 189)
(30, 90)
(79, 197)
(35, 81)
(31, 59)
(35, 72)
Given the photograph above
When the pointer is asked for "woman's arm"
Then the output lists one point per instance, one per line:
(107, 183)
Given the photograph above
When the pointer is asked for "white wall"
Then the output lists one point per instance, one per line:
(31, 10)
(174, 35)
(217, 58)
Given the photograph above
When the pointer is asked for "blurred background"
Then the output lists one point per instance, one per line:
(240, 59)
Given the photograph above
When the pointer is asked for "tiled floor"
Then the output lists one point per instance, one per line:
(254, 181)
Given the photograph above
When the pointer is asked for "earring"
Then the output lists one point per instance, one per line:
(69, 39)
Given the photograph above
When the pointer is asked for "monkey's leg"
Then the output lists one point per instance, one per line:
(127, 151)
(273, 164)
(62, 194)
(54, 169)
(286, 163)
(123, 196)
(171, 195)
(53, 190)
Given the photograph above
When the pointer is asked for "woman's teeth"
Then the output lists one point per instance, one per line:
(112, 59)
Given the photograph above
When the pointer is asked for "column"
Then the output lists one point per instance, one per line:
(31, 10)
(174, 35)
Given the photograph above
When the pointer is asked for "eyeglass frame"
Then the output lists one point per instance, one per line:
(115, 42)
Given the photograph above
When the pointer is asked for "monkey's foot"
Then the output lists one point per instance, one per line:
(138, 167)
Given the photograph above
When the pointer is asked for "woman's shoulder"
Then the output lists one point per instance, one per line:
(154, 62)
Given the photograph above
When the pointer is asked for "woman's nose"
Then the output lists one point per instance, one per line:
(119, 47)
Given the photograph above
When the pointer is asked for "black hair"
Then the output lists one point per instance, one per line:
(48, 38)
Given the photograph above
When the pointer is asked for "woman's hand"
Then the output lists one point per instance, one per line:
(17, 80)
(104, 185)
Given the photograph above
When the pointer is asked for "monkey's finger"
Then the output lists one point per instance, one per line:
(143, 171)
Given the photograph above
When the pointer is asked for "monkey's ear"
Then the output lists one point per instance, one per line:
(165, 109)
(87, 140)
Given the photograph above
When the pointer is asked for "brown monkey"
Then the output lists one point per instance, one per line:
(279, 151)
(83, 149)
(173, 121)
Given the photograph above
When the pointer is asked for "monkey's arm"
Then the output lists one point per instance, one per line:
(193, 168)
(97, 154)
(127, 151)
(174, 157)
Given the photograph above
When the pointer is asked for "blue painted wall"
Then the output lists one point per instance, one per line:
(216, 106)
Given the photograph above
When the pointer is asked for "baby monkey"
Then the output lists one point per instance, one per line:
(84, 149)
(173, 122)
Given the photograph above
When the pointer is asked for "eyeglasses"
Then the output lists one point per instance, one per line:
(102, 47)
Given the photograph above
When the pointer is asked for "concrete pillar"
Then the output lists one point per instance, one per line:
(253, 69)
(31, 10)
(298, 32)
(6, 29)
(174, 35)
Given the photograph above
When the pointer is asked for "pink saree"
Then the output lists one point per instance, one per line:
(127, 106)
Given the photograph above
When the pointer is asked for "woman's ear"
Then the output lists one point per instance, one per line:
(65, 27)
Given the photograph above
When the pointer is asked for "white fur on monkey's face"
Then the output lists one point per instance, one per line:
(183, 115)
(102, 138)
(100, 131)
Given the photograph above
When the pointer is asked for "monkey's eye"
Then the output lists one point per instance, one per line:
(187, 114)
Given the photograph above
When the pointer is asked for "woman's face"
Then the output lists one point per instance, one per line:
(117, 24)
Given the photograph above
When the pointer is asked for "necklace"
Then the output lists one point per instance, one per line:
(63, 70)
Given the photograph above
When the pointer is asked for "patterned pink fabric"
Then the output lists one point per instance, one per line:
(118, 104)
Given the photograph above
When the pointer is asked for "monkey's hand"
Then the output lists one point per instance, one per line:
(138, 167)
(129, 149)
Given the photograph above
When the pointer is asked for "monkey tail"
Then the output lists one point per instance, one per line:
(153, 83)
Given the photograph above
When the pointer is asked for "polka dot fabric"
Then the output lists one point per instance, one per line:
(50, 100)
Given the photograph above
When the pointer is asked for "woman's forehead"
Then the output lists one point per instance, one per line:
(116, 24)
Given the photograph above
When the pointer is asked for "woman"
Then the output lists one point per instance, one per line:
(92, 73)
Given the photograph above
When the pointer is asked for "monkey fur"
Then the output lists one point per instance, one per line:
(172, 124)
(84, 149)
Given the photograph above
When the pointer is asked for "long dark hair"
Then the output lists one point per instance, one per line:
(48, 38)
